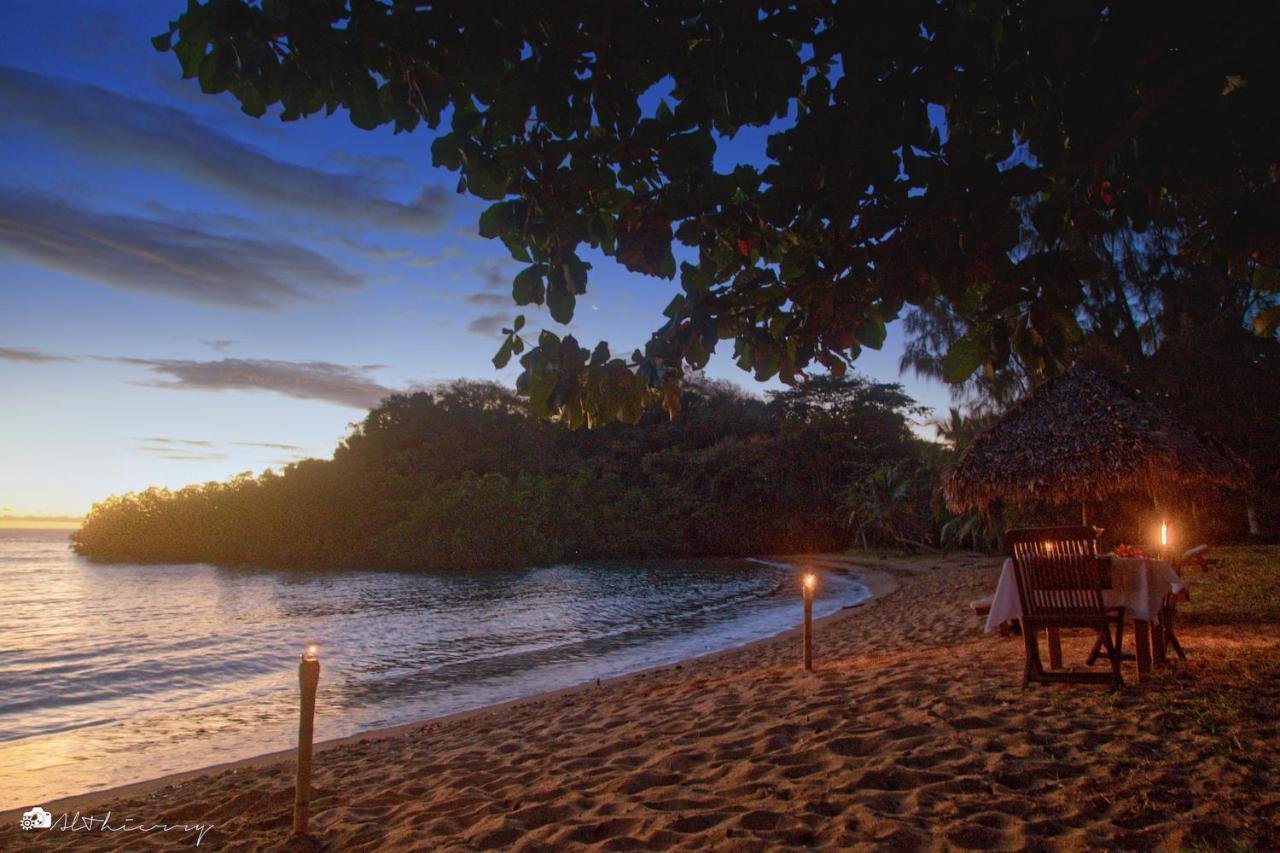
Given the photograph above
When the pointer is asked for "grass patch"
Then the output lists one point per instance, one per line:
(881, 553)
(1243, 587)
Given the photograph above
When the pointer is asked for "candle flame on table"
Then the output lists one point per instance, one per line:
(1164, 533)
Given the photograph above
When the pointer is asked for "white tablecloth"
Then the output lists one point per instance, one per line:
(1139, 585)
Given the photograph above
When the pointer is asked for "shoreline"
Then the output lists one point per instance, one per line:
(911, 732)
(878, 581)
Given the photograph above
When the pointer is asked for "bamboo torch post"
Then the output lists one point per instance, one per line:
(809, 582)
(308, 679)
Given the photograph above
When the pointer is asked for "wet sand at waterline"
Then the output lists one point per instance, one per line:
(112, 674)
(912, 732)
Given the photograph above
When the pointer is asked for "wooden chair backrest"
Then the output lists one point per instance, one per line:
(1058, 571)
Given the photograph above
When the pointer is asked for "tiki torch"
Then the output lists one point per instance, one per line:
(308, 679)
(810, 581)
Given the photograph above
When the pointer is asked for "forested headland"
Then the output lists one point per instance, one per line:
(464, 477)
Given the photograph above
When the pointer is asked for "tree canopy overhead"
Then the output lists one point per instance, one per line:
(978, 153)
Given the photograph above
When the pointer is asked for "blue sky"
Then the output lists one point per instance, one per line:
(187, 293)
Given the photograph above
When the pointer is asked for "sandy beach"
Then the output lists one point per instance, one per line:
(911, 733)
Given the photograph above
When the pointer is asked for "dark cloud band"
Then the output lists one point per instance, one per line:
(138, 132)
(30, 356)
(488, 324)
(305, 380)
(165, 257)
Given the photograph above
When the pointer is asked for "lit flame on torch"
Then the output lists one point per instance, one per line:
(1164, 533)
(809, 581)
(311, 651)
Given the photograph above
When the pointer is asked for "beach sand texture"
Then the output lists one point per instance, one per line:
(911, 733)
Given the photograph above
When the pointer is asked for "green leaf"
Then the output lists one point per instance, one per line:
(561, 301)
(514, 242)
(575, 271)
(694, 279)
(190, 55)
(794, 264)
(162, 42)
(445, 153)
(549, 345)
(633, 396)
(872, 333)
(364, 104)
(494, 219)
(541, 385)
(528, 287)
(251, 101)
(485, 179)
(667, 266)
(1267, 322)
(964, 357)
(503, 356)
(519, 323)
(600, 354)
(215, 72)
(687, 154)
(1266, 279)
(1049, 216)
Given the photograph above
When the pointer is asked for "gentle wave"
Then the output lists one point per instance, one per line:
(115, 673)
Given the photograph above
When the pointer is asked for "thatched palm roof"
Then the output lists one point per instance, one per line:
(1081, 437)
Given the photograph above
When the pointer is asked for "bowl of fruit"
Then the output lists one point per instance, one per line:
(1129, 551)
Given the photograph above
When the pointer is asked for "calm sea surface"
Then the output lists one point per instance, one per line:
(112, 674)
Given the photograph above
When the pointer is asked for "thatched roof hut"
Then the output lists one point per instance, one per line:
(1081, 437)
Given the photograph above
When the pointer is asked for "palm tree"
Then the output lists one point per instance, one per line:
(884, 504)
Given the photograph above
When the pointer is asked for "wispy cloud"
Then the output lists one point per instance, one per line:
(452, 253)
(492, 274)
(186, 442)
(138, 132)
(389, 165)
(486, 299)
(179, 454)
(37, 518)
(304, 380)
(369, 250)
(30, 356)
(220, 345)
(199, 450)
(270, 445)
(344, 384)
(165, 257)
(488, 324)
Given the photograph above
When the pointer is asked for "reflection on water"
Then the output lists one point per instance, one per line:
(113, 674)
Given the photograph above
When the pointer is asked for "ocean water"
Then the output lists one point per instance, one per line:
(111, 674)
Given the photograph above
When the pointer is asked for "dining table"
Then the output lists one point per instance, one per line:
(1145, 587)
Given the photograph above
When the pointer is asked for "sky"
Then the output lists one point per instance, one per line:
(187, 293)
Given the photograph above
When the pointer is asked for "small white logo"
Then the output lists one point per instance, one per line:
(37, 818)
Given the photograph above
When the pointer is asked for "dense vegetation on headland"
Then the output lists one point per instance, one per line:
(464, 477)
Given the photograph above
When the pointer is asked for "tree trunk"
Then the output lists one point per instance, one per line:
(995, 522)
(916, 544)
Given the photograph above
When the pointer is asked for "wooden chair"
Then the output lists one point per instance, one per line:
(1060, 584)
